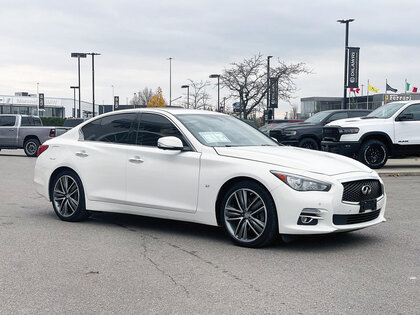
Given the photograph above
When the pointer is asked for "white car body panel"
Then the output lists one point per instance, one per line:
(185, 185)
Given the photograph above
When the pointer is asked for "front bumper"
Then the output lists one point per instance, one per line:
(349, 149)
(334, 214)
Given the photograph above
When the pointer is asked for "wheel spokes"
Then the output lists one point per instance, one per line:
(66, 196)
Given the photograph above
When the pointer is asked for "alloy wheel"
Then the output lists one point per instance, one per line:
(375, 154)
(245, 215)
(31, 148)
(66, 196)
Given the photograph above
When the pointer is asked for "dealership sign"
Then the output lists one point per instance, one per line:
(274, 92)
(352, 67)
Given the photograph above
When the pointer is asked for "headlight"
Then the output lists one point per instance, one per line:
(347, 131)
(301, 183)
(289, 132)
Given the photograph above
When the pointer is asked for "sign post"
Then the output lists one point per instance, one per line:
(274, 92)
(353, 67)
(41, 102)
(116, 102)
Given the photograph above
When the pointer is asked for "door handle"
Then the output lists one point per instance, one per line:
(82, 154)
(136, 159)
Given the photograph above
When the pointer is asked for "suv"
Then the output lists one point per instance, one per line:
(308, 134)
(391, 130)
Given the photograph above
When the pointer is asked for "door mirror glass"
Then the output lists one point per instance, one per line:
(170, 143)
(406, 116)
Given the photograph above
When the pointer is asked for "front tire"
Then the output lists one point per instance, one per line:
(68, 198)
(309, 143)
(373, 153)
(249, 215)
(31, 147)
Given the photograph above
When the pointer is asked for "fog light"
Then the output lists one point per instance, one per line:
(309, 216)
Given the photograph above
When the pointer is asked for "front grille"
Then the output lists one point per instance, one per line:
(353, 190)
(331, 134)
(343, 219)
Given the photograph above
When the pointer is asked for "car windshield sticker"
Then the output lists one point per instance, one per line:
(212, 137)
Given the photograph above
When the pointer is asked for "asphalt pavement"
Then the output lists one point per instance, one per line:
(128, 264)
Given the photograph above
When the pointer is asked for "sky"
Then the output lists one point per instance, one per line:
(136, 38)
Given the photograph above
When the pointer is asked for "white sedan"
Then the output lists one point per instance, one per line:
(208, 168)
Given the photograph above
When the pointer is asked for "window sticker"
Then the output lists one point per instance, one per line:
(212, 137)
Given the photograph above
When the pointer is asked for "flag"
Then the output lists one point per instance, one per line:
(389, 88)
(407, 86)
(414, 89)
(372, 88)
(355, 90)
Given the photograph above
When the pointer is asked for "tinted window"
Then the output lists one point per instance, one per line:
(337, 116)
(152, 127)
(37, 121)
(7, 121)
(25, 121)
(357, 114)
(413, 109)
(114, 128)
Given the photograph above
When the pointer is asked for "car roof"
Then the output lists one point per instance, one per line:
(171, 110)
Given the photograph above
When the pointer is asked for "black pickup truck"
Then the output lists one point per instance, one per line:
(308, 134)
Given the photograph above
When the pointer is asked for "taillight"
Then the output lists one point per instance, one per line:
(52, 132)
(41, 149)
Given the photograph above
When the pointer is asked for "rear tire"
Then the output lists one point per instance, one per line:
(309, 143)
(373, 153)
(68, 198)
(249, 215)
(31, 147)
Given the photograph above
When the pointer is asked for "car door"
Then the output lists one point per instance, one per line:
(101, 157)
(407, 128)
(160, 179)
(8, 131)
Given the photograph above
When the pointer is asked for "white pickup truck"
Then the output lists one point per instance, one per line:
(25, 132)
(391, 130)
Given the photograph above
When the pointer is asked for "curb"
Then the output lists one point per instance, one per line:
(398, 174)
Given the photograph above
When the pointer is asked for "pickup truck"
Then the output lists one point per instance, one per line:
(25, 132)
(308, 134)
(392, 130)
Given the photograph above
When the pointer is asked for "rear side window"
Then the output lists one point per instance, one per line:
(152, 127)
(30, 121)
(7, 121)
(37, 121)
(25, 122)
(113, 128)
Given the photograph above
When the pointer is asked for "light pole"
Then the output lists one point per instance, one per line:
(78, 56)
(93, 81)
(185, 86)
(345, 58)
(268, 85)
(37, 95)
(74, 99)
(170, 80)
(113, 98)
(213, 76)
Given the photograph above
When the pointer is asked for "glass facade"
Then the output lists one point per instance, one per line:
(32, 110)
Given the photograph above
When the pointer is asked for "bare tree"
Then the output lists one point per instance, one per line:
(294, 111)
(248, 81)
(199, 98)
(142, 97)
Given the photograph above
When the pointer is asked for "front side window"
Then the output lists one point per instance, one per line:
(337, 116)
(152, 127)
(113, 128)
(7, 121)
(413, 109)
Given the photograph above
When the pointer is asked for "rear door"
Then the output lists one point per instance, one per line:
(8, 131)
(101, 157)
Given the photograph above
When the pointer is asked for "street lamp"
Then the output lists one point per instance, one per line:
(78, 56)
(345, 58)
(185, 86)
(93, 81)
(170, 80)
(213, 76)
(74, 100)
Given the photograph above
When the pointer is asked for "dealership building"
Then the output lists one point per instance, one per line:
(312, 105)
(27, 104)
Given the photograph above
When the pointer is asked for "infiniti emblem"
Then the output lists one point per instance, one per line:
(366, 190)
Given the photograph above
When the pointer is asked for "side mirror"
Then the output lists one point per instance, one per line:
(170, 143)
(407, 116)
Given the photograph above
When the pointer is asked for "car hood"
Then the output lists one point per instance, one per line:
(296, 158)
(355, 122)
(294, 126)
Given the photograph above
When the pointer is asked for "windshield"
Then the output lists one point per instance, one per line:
(317, 118)
(223, 131)
(385, 111)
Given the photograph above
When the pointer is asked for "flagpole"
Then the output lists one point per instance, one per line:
(405, 87)
(367, 97)
(386, 89)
